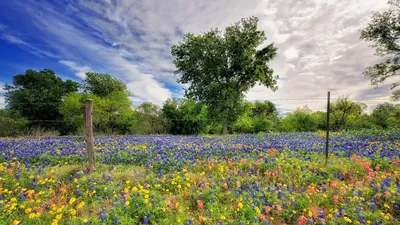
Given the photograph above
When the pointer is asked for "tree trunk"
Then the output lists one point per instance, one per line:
(225, 127)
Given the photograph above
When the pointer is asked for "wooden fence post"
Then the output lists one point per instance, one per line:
(89, 135)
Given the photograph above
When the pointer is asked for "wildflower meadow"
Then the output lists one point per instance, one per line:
(247, 179)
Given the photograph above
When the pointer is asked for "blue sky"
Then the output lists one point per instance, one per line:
(318, 43)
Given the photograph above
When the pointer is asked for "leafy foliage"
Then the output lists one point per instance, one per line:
(12, 124)
(345, 112)
(149, 119)
(37, 96)
(221, 66)
(111, 114)
(384, 32)
(301, 120)
(256, 117)
(102, 85)
(185, 116)
(386, 115)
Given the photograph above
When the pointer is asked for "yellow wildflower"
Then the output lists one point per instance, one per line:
(347, 219)
(72, 200)
(80, 205)
(59, 217)
(72, 212)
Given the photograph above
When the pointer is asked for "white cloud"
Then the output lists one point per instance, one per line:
(318, 42)
(2, 91)
(13, 39)
(79, 70)
(2, 102)
(291, 53)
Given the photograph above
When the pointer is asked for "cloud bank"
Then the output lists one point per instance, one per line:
(318, 42)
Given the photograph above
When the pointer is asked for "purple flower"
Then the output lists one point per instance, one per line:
(279, 195)
(21, 196)
(361, 219)
(102, 217)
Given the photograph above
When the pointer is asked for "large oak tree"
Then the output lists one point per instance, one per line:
(221, 66)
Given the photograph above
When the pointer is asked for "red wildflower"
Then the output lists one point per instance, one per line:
(200, 204)
(335, 198)
(302, 220)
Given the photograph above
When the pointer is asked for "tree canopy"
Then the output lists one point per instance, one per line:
(344, 112)
(384, 33)
(221, 66)
(112, 112)
(185, 116)
(37, 96)
(102, 84)
(386, 115)
(149, 119)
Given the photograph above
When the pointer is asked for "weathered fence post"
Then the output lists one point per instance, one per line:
(89, 135)
(327, 127)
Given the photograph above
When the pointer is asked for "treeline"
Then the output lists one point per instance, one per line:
(39, 100)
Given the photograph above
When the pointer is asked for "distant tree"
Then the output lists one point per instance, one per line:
(386, 115)
(384, 32)
(221, 66)
(12, 124)
(245, 120)
(264, 110)
(37, 96)
(320, 118)
(102, 84)
(345, 112)
(301, 120)
(111, 114)
(365, 121)
(185, 116)
(149, 119)
(265, 116)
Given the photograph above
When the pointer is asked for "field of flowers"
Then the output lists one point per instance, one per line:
(263, 179)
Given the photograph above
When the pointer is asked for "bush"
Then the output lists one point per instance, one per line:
(11, 124)
(262, 125)
(301, 120)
